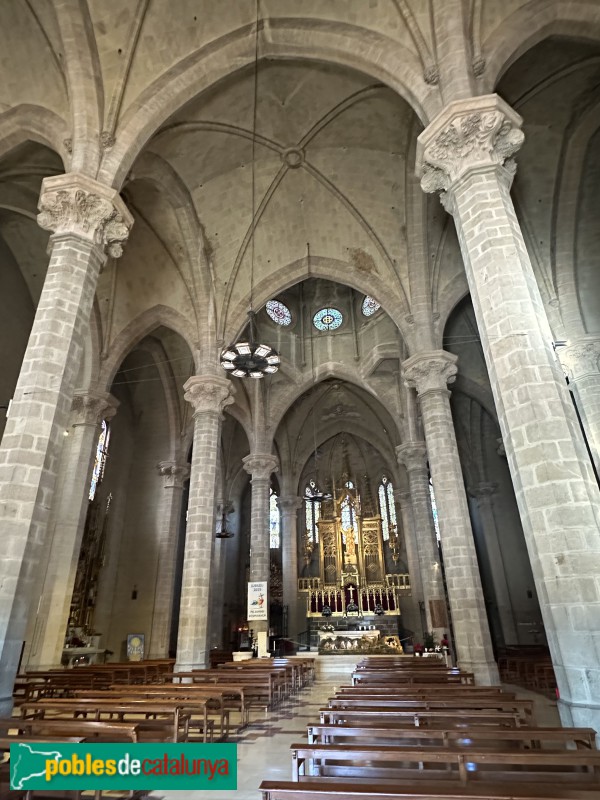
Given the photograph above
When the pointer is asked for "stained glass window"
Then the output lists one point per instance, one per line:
(348, 518)
(327, 319)
(274, 521)
(387, 508)
(312, 512)
(370, 306)
(100, 460)
(279, 313)
(434, 511)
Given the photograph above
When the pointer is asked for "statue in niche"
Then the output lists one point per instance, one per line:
(348, 537)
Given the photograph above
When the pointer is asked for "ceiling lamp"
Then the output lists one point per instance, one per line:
(223, 532)
(247, 359)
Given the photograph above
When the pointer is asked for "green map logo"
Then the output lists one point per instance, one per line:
(28, 763)
(55, 766)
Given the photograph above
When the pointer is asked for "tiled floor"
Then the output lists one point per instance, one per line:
(264, 747)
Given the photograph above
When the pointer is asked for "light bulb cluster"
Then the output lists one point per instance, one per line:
(250, 360)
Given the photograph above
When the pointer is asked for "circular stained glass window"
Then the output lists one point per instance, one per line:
(370, 306)
(328, 319)
(279, 313)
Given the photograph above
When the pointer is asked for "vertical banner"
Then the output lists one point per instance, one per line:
(257, 600)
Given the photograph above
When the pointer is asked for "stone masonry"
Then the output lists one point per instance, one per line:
(413, 455)
(88, 222)
(289, 505)
(66, 526)
(175, 474)
(429, 374)
(260, 466)
(209, 395)
(466, 152)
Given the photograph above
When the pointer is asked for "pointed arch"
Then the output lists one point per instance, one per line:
(340, 43)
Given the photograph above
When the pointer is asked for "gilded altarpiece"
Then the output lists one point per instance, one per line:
(352, 576)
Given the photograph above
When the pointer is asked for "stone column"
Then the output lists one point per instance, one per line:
(289, 506)
(484, 493)
(464, 151)
(581, 360)
(404, 501)
(413, 456)
(429, 373)
(88, 221)
(174, 476)
(260, 466)
(209, 395)
(65, 530)
(217, 596)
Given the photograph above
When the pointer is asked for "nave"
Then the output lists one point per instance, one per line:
(394, 728)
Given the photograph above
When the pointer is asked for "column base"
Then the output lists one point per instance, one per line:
(580, 715)
(486, 673)
(183, 667)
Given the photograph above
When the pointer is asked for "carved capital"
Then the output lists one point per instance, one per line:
(78, 205)
(412, 455)
(580, 359)
(480, 132)
(208, 393)
(260, 465)
(174, 473)
(90, 408)
(289, 504)
(430, 372)
(483, 490)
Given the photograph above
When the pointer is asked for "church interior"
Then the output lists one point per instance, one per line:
(300, 323)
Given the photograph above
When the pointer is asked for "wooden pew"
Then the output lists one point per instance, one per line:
(422, 790)
(445, 736)
(433, 690)
(411, 677)
(163, 721)
(78, 728)
(390, 762)
(282, 677)
(219, 701)
(261, 690)
(524, 708)
(419, 717)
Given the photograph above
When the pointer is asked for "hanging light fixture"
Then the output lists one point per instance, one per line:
(224, 532)
(247, 358)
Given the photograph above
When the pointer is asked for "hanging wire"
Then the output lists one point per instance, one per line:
(253, 169)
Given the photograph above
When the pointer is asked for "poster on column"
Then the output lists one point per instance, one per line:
(257, 600)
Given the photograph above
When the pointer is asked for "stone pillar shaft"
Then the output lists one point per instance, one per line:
(209, 395)
(66, 527)
(429, 373)
(174, 474)
(413, 455)
(463, 151)
(260, 467)
(484, 494)
(582, 363)
(289, 505)
(88, 220)
(414, 565)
